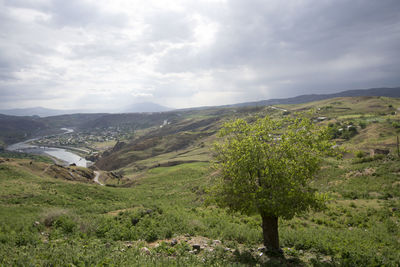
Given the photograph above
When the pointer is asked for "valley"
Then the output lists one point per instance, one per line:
(154, 208)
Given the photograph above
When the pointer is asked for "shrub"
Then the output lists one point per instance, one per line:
(396, 124)
(360, 154)
(52, 215)
(65, 223)
(60, 219)
(25, 238)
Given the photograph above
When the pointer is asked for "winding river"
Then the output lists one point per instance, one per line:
(60, 153)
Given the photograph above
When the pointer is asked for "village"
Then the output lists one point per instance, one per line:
(85, 139)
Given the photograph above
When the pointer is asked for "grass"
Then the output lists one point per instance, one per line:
(71, 215)
(46, 221)
(102, 146)
(20, 155)
(83, 221)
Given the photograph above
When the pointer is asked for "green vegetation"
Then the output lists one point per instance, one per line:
(20, 155)
(157, 213)
(266, 166)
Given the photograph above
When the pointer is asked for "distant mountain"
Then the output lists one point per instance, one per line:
(36, 111)
(389, 92)
(145, 107)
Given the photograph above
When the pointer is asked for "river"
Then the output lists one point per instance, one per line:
(60, 153)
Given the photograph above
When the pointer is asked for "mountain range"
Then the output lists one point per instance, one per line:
(37, 111)
(153, 107)
(388, 92)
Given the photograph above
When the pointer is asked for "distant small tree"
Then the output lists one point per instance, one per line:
(265, 167)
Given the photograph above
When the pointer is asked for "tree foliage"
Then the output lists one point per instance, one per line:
(265, 167)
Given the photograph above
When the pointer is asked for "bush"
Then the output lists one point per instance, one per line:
(396, 124)
(369, 159)
(60, 219)
(52, 215)
(65, 223)
(360, 154)
(25, 238)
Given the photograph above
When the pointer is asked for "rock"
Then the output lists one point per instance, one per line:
(377, 151)
(196, 247)
(174, 242)
(227, 249)
(36, 223)
(216, 242)
(145, 250)
(134, 221)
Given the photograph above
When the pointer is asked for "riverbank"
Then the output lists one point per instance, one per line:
(64, 155)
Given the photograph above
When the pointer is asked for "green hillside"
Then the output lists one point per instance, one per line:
(15, 129)
(157, 211)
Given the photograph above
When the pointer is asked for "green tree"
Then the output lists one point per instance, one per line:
(265, 167)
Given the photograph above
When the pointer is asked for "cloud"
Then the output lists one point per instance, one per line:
(182, 53)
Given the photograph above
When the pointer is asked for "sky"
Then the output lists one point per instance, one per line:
(104, 55)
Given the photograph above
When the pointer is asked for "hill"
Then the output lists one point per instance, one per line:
(145, 107)
(149, 107)
(36, 111)
(14, 129)
(154, 210)
(188, 137)
(388, 92)
(17, 128)
(46, 112)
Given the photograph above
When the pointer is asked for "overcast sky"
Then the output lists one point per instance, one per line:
(102, 54)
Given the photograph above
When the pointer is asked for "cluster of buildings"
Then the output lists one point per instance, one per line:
(81, 139)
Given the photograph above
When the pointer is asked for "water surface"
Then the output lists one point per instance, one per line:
(59, 153)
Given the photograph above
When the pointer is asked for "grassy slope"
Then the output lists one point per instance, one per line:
(84, 223)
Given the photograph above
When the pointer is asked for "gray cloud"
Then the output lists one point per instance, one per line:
(171, 26)
(191, 53)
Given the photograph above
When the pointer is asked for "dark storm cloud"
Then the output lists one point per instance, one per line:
(319, 30)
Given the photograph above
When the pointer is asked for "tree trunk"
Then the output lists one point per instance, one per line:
(270, 232)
